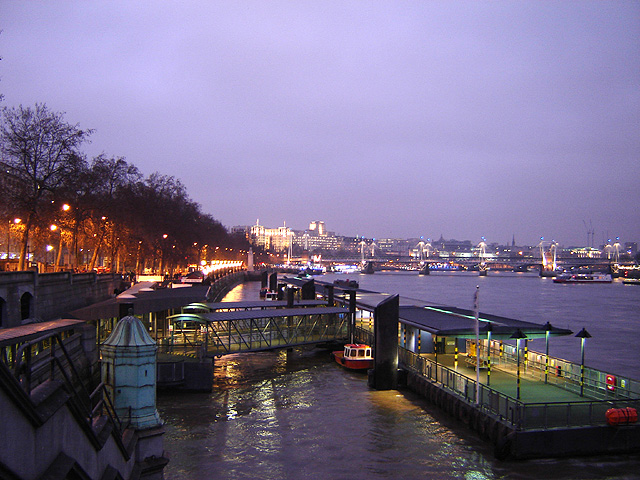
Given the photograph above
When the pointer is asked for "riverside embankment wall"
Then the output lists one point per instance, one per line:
(29, 295)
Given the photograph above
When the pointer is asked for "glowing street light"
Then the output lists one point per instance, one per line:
(547, 330)
(518, 335)
(15, 221)
(582, 335)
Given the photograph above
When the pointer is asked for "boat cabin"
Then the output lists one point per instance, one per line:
(357, 351)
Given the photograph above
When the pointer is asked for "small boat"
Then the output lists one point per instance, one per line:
(354, 356)
(583, 278)
(631, 281)
(346, 283)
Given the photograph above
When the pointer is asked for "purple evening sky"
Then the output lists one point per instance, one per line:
(384, 119)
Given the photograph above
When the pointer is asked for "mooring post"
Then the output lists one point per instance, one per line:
(386, 317)
(330, 297)
(290, 293)
(352, 314)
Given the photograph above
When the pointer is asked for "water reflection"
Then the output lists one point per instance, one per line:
(301, 416)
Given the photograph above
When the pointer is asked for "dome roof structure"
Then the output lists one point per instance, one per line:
(129, 332)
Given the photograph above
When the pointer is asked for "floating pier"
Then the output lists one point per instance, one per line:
(527, 404)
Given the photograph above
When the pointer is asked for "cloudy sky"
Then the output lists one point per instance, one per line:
(384, 119)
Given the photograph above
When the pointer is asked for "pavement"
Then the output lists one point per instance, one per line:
(533, 389)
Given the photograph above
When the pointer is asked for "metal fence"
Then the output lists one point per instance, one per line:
(598, 385)
(523, 416)
(244, 335)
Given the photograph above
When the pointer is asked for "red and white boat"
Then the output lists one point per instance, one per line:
(355, 356)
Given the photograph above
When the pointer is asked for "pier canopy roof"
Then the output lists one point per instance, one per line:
(31, 331)
(448, 321)
(226, 316)
(145, 298)
(461, 323)
(249, 305)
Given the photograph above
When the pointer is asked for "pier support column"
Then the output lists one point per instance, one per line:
(386, 316)
(309, 290)
(290, 294)
(329, 294)
(352, 314)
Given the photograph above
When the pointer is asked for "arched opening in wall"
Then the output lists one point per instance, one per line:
(3, 312)
(26, 304)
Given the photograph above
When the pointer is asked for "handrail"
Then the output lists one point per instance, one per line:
(83, 398)
(523, 416)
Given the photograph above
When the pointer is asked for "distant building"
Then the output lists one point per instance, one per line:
(275, 239)
(316, 228)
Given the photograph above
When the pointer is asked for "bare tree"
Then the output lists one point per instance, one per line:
(40, 150)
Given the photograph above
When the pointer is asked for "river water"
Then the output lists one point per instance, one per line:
(300, 416)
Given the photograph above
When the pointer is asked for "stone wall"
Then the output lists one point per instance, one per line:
(29, 295)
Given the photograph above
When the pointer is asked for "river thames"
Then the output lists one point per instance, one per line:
(303, 417)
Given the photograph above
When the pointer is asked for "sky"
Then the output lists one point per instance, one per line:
(383, 119)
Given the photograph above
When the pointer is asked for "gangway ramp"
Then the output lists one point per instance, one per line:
(224, 332)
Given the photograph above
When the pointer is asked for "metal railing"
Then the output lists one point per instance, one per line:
(598, 385)
(61, 366)
(523, 416)
(245, 335)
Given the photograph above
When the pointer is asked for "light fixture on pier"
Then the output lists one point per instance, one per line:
(547, 331)
(518, 335)
(582, 335)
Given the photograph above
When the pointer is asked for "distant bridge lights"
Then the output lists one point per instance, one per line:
(548, 254)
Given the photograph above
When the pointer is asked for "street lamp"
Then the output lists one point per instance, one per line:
(547, 331)
(489, 328)
(49, 248)
(582, 335)
(15, 221)
(518, 335)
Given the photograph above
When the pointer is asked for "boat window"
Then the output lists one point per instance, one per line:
(368, 352)
(361, 353)
(346, 352)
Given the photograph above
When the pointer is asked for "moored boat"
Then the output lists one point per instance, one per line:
(354, 356)
(583, 278)
(346, 283)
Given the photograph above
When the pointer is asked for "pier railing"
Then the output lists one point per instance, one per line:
(523, 416)
(598, 385)
(269, 330)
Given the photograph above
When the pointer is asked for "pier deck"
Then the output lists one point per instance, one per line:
(504, 377)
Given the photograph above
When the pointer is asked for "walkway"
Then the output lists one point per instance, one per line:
(504, 380)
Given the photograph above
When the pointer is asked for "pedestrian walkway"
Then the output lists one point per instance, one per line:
(504, 380)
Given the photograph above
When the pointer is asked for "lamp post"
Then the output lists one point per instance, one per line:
(55, 228)
(518, 335)
(582, 335)
(547, 331)
(49, 248)
(15, 221)
(489, 328)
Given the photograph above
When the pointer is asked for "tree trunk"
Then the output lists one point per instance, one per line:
(24, 244)
(94, 257)
(57, 266)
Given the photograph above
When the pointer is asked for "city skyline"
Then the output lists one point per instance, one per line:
(386, 120)
(590, 241)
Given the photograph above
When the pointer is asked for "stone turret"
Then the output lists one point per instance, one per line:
(129, 372)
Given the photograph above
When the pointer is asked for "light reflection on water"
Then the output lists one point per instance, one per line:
(303, 417)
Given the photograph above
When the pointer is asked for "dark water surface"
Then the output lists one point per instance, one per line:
(273, 416)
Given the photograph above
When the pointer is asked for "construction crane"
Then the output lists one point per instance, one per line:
(590, 233)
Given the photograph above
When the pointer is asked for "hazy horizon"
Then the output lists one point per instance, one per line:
(386, 120)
